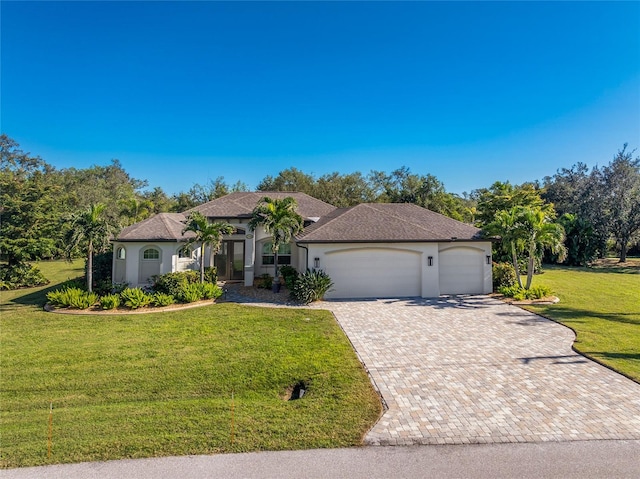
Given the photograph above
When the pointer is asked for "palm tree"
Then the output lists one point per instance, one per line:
(279, 219)
(506, 225)
(540, 234)
(207, 234)
(88, 229)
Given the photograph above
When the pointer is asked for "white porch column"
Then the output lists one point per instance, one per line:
(249, 257)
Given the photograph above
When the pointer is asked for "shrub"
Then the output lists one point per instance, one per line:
(210, 291)
(266, 281)
(190, 293)
(135, 298)
(110, 301)
(172, 283)
(290, 275)
(504, 274)
(521, 294)
(102, 265)
(117, 288)
(211, 274)
(311, 286)
(21, 275)
(73, 298)
(163, 299)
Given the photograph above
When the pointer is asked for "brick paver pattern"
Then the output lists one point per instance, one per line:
(472, 369)
(475, 370)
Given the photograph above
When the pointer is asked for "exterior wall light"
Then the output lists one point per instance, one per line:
(488, 259)
(430, 260)
(316, 262)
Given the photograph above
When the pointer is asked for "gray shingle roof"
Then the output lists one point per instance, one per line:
(241, 204)
(386, 222)
(161, 227)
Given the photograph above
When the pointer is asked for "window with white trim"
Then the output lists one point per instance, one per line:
(151, 253)
(121, 253)
(284, 253)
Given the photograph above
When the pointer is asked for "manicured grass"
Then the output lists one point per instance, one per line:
(603, 306)
(161, 384)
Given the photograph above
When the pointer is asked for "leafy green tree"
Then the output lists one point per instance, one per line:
(135, 209)
(90, 231)
(109, 185)
(29, 206)
(621, 184)
(504, 196)
(527, 231)
(207, 234)
(539, 233)
(343, 190)
(580, 240)
(279, 218)
(506, 226)
(291, 179)
(579, 194)
(402, 186)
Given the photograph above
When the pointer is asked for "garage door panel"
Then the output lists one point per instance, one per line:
(374, 272)
(461, 271)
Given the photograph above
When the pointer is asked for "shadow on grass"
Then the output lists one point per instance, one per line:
(609, 355)
(574, 315)
(31, 297)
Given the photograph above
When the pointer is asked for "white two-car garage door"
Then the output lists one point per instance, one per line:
(374, 273)
(461, 271)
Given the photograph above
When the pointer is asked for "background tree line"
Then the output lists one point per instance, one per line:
(595, 207)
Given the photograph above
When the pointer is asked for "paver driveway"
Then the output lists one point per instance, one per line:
(476, 370)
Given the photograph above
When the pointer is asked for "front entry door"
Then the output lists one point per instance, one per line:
(230, 261)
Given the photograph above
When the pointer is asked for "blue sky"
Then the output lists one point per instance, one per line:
(184, 92)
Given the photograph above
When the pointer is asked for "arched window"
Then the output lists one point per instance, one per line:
(151, 253)
(121, 253)
(185, 252)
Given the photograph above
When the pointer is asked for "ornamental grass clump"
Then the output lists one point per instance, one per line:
(190, 293)
(210, 291)
(163, 299)
(311, 286)
(73, 298)
(135, 298)
(110, 301)
(521, 294)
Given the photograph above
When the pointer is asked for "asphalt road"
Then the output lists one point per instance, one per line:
(580, 459)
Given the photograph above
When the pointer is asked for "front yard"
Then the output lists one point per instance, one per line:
(602, 305)
(199, 381)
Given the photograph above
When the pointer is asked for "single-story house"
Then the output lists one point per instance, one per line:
(368, 250)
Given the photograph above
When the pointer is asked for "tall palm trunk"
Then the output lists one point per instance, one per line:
(90, 267)
(515, 264)
(276, 278)
(202, 263)
(532, 255)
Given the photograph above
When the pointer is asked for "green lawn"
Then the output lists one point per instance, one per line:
(161, 384)
(603, 306)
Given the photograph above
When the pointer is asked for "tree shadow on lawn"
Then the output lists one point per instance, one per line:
(610, 355)
(574, 315)
(29, 298)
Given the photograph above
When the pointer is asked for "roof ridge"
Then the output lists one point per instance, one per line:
(164, 218)
(330, 217)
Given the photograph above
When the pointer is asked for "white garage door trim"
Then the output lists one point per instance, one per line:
(461, 270)
(374, 272)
